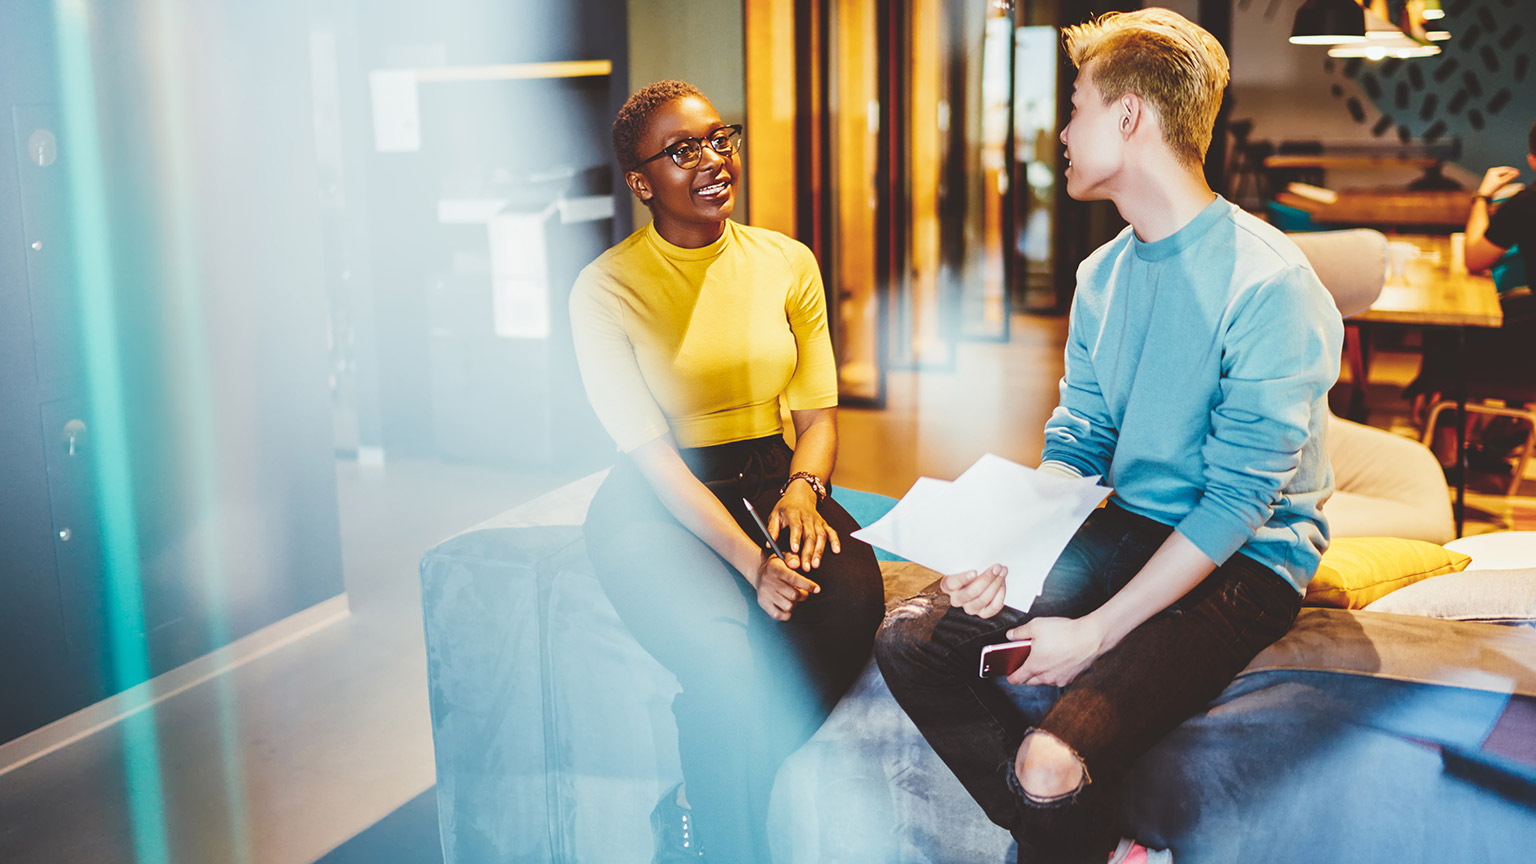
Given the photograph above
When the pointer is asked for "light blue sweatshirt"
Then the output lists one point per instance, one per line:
(1197, 371)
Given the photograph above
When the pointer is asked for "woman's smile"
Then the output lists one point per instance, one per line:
(689, 205)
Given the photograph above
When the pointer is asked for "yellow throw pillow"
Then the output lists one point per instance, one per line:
(1356, 571)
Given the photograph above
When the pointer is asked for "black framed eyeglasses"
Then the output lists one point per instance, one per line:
(688, 152)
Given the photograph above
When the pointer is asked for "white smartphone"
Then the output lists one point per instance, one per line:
(1004, 657)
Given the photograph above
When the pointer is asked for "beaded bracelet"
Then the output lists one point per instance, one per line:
(817, 486)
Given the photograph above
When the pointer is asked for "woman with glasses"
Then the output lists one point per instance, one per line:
(687, 334)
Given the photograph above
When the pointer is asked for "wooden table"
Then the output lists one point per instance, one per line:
(1427, 294)
(1356, 208)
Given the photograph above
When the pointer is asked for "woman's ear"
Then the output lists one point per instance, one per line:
(639, 185)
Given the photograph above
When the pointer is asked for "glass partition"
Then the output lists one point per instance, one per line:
(854, 120)
(1036, 164)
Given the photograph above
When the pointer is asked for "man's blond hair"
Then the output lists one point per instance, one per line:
(1166, 60)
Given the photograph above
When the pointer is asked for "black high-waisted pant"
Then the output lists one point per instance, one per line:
(753, 689)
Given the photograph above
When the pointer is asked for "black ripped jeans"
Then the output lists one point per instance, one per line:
(1163, 672)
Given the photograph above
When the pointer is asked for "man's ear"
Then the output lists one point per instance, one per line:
(639, 185)
(1530, 160)
(1131, 114)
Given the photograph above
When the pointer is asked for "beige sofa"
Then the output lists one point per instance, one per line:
(1385, 486)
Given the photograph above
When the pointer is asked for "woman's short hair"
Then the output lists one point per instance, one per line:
(630, 125)
(1165, 59)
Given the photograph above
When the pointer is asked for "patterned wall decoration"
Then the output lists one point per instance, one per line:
(1481, 88)
(1480, 91)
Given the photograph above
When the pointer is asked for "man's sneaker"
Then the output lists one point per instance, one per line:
(1131, 852)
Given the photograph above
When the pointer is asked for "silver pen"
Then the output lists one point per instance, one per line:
(772, 546)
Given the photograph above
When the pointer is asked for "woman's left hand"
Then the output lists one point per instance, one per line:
(809, 532)
(1062, 649)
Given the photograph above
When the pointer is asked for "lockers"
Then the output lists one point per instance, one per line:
(167, 480)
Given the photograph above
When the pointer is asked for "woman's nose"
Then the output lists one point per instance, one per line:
(710, 154)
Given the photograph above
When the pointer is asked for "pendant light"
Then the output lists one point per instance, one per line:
(1382, 41)
(1328, 22)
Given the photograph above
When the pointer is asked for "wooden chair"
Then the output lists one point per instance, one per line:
(1496, 396)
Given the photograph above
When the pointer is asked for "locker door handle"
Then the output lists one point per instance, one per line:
(74, 435)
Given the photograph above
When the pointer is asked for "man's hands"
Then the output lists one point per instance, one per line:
(979, 594)
(780, 588)
(1497, 178)
(796, 511)
(1063, 648)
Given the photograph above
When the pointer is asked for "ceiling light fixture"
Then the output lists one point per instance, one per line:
(1383, 41)
(1328, 22)
(1383, 50)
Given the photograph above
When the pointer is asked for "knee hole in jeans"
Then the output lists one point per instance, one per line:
(1051, 768)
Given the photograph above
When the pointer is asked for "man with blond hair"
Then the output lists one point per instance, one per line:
(1200, 351)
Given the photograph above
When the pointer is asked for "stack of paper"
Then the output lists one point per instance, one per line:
(997, 512)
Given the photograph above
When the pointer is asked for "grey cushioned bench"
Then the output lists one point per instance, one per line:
(554, 735)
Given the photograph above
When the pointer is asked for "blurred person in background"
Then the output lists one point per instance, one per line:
(1492, 234)
(1501, 239)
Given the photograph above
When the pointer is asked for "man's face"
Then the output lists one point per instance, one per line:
(1094, 140)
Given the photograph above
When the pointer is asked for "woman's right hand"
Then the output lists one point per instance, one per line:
(779, 588)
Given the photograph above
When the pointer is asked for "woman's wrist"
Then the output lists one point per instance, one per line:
(748, 560)
(800, 492)
(807, 481)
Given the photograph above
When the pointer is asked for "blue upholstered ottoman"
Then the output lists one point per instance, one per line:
(554, 735)
(553, 728)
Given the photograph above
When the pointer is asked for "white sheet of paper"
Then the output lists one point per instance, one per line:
(997, 512)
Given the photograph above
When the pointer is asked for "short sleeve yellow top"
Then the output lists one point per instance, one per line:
(701, 342)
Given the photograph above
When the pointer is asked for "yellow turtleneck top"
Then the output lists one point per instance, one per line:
(701, 342)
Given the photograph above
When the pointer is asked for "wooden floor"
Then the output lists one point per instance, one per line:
(936, 423)
(999, 395)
